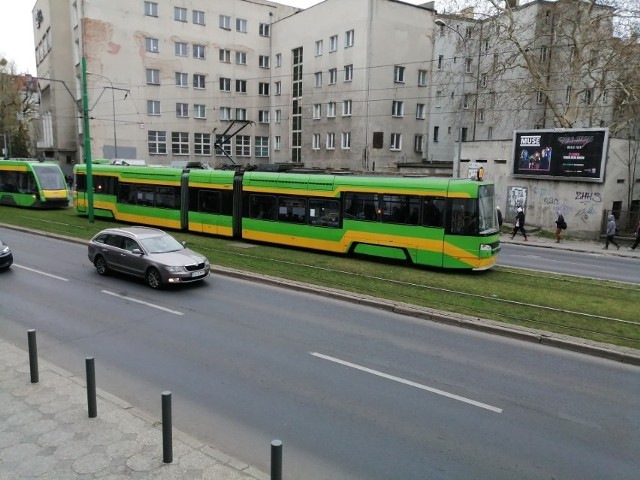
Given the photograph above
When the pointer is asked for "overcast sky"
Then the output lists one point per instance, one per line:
(16, 30)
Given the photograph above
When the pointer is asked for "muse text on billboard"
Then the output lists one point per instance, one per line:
(562, 154)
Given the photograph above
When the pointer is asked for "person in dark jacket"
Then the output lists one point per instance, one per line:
(519, 224)
(611, 232)
(560, 225)
(637, 232)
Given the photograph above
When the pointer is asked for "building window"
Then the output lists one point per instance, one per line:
(348, 73)
(422, 78)
(465, 103)
(539, 97)
(465, 131)
(198, 17)
(277, 142)
(333, 43)
(198, 51)
(202, 143)
(346, 108)
(241, 58)
(318, 79)
(179, 14)
(543, 54)
(440, 61)
(315, 141)
(278, 60)
(467, 65)
(278, 118)
(153, 76)
(438, 98)
(317, 111)
(264, 30)
(153, 107)
(420, 111)
(278, 88)
(223, 145)
(481, 115)
(567, 97)
(605, 96)
(241, 25)
(225, 84)
(346, 140)
(241, 86)
(318, 48)
(331, 141)
(182, 110)
(333, 76)
(262, 147)
(331, 110)
(398, 74)
(483, 80)
(181, 49)
(243, 146)
(182, 79)
(151, 45)
(224, 21)
(180, 143)
(199, 80)
(225, 113)
(263, 61)
(418, 143)
(468, 32)
(225, 55)
(490, 133)
(263, 116)
(397, 109)
(436, 133)
(199, 111)
(151, 9)
(396, 142)
(349, 38)
(157, 141)
(241, 113)
(586, 97)
(263, 89)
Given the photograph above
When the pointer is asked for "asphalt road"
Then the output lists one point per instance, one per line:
(353, 392)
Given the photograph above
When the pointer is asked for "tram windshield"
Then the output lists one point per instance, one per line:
(488, 220)
(50, 177)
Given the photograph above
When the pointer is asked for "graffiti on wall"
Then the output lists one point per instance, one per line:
(516, 197)
(591, 205)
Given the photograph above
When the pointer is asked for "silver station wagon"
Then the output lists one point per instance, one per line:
(146, 253)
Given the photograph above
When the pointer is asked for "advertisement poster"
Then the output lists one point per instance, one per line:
(562, 154)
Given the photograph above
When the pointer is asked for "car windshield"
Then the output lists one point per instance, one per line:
(161, 244)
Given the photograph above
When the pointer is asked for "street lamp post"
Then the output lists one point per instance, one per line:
(439, 22)
(113, 108)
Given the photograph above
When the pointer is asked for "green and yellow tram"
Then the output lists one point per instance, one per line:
(32, 184)
(439, 222)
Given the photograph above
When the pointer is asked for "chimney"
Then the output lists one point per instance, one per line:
(513, 3)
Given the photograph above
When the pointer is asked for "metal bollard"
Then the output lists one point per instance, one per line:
(91, 387)
(167, 441)
(33, 356)
(276, 460)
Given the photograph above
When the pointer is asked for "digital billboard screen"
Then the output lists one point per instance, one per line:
(561, 154)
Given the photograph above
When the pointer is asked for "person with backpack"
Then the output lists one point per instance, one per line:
(519, 224)
(560, 225)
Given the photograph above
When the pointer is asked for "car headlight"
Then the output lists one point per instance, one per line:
(176, 269)
(5, 249)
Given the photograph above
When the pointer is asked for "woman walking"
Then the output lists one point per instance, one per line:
(519, 225)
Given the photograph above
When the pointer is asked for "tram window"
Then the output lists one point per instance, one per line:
(361, 206)
(167, 197)
(263, 207)
(463, 219)
(144, 195)
(104, 184)
(433, 211)
(126, 194)
(208, 201)
(400, 209)
(292, 210)
(324, 213)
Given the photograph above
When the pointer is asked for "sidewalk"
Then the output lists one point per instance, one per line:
(574, 245)
(45, 432)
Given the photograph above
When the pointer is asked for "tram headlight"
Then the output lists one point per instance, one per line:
(486, 248)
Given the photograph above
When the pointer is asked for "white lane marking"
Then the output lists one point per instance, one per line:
(408, 382)
(142, 302)
(40, 272)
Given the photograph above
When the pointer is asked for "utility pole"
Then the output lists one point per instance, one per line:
(87, 141)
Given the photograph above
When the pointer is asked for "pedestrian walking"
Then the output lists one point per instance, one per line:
(519, 224)
(611, 233)
(560, 225)
(499, 217)
(637, 232)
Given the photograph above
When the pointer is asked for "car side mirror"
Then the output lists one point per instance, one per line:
(136, 251)
(184, 244)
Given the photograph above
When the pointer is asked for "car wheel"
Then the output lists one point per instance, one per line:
(154, 280)
(101, 265)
